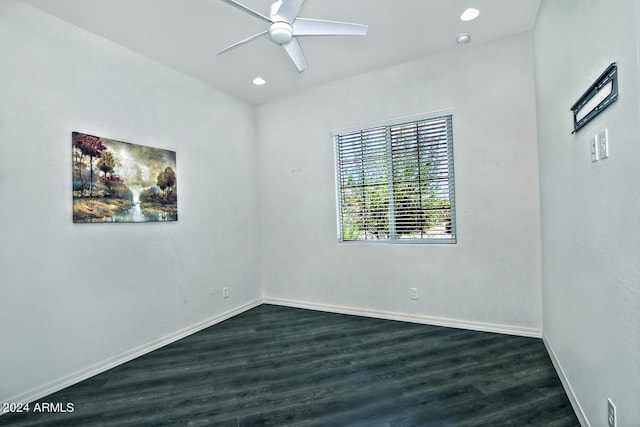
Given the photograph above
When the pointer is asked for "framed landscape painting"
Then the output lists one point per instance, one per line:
(116, 181)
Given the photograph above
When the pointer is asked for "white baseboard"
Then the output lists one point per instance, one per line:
(582, 418)
(127, 356)
(427, 320)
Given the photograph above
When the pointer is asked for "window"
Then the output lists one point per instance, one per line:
(395, 182)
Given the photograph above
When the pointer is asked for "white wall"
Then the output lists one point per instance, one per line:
(590, 211)
(491, 277)
(73, 296)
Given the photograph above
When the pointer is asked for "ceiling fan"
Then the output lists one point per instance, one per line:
(285, 26)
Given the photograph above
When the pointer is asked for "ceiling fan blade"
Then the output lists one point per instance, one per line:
(247, 10)
(295, 53)
(287, 9)
(241, 42)
(319, 27)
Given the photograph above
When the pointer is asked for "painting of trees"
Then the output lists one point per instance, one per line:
(167, 183)
(107, 163)
(115, 181)
(91, 146)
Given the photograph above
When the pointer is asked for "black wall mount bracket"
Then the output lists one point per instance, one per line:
(608, 80)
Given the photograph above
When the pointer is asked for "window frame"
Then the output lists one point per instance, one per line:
(388, 124)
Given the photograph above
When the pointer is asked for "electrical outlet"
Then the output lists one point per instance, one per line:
(225, 292)
(611, 413)
(603, 143)
(413, 293)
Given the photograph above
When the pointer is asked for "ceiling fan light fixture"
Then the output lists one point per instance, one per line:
(281, 32)
(259, 81)
(469, 14)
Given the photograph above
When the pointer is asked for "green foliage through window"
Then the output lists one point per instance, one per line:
(396, 182)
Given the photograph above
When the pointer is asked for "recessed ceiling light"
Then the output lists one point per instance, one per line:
(470, 14)
(259, 81)
(463, 38)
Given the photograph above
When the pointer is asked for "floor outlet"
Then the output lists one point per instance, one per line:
(225, 292)
(611, 413)
(413, 293)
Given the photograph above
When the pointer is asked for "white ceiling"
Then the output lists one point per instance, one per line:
(186, 34)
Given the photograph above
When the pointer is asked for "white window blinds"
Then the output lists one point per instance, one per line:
(396, 182)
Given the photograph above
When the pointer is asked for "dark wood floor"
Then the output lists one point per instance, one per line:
(278, 366)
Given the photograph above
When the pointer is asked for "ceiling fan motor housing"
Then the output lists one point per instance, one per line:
(281, 32)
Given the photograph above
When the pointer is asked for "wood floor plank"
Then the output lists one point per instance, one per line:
(280, 366)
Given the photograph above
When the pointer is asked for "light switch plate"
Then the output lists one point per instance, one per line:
(594, 149)
(603, 143)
